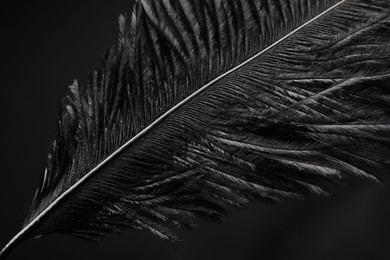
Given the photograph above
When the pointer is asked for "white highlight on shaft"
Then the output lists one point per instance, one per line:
(156, 122)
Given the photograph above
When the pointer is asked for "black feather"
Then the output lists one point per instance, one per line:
(206, 104)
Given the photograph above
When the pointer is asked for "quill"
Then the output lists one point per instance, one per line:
(212, 103)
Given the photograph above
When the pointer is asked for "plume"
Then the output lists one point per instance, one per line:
(209, 104)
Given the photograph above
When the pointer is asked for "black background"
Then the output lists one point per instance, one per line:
(45, 47)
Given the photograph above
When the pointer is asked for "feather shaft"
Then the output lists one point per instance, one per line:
(20, 235)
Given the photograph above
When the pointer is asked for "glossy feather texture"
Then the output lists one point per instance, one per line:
(207, 104)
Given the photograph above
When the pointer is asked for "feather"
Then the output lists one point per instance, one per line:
(208, 104)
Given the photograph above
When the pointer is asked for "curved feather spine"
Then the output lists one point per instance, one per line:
(160, 119)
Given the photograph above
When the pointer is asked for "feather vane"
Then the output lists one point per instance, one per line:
(207, 104)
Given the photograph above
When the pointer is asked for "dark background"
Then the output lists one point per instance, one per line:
(45, 47)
